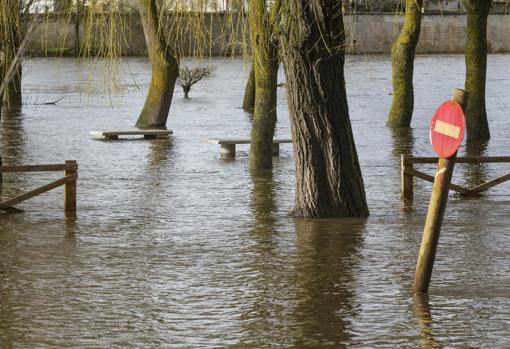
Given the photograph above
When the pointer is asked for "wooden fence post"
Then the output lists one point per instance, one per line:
(435, 213)
(70, 187)
(407, 179)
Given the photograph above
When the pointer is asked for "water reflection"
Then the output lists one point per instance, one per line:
(160, 151)
(475, 174)
(262, 201)
(403, 141)
(262, 319)
(12, 137)
(12, 148)
(328, 255)
(424, 318)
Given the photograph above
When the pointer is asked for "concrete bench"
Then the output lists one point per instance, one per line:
(147, 134)
(228, 145)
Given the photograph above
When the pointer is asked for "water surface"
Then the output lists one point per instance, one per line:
(174, 247)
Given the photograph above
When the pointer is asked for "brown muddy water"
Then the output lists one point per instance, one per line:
(175, 248)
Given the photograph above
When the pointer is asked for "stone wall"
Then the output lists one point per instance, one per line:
(367, 34)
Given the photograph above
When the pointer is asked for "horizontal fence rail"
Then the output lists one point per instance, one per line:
(70, 168)
(408, 172)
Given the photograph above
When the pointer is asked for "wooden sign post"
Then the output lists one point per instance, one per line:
(446, 133)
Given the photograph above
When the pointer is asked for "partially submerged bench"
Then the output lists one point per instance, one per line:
(147, 134)
(228, 145)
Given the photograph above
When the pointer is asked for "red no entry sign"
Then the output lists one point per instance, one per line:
(447, 129)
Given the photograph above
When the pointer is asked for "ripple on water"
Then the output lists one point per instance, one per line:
(175, 248)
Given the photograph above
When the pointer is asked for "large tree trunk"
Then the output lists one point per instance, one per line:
(265, 62)
(165, 70)
(476, 67)
(328, 177)
(12, 98)
(402, 57)
(249, 91)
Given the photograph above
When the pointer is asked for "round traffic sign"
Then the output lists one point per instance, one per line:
(447, 129)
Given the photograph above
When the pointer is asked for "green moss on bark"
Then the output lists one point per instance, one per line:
(249, 92)
(165, 70)
(476, 68)
(265, 62)
(402, 58)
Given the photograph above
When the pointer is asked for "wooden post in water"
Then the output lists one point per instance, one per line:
(407, 179)
(70, 187)
(435, 213)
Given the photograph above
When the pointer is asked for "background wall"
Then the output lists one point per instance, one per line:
(368, 34)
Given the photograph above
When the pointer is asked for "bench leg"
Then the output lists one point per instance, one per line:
(276, 149)
(228, 150)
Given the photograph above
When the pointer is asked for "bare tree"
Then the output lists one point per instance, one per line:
(190, 76)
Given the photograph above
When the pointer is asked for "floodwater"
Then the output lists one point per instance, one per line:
(173, 247)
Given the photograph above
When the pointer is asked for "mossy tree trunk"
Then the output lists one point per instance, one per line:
(265, 62)
(12, 98)
(165, 69)
(249, 92)
(476, 68)
(329, 182)
(402, 58)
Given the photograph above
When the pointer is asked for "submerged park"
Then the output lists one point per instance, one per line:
(209, 174)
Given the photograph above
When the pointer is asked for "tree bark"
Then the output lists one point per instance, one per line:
(402, 58)
(476, 67)
(12, 98)
(77, 18)
(328, 176)
(265, 62)
(165, 70)
(249, 91)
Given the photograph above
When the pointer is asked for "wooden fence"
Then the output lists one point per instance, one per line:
(408, 172)
(70, 168)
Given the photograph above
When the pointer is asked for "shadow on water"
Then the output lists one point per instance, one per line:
(423, 316)
(328, 254)
(475, 174)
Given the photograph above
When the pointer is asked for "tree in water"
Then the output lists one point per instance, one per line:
(165, 69)
(249, 92)
(265, 63)
(190, 76)
(476, 67)
(12, 28)
(402, 57)
(329, 182)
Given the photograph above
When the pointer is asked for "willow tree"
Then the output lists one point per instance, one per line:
(12, 28)
(476, 67)
(249, 91)
(402, 58)
(329, 182)
(265, 62)
(165, 69)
